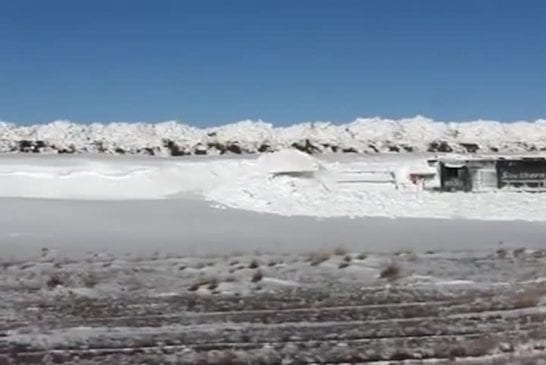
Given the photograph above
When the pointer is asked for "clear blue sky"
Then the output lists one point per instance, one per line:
(212, 62)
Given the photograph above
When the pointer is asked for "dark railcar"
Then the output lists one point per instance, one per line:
(521, 173)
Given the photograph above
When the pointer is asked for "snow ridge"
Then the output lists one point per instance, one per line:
(364, 135)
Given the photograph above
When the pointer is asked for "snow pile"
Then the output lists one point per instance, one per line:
(288, 161)
(364, 135)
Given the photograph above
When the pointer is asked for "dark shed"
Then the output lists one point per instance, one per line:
(485, 173)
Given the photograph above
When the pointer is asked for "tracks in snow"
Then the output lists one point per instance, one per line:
(318, 321)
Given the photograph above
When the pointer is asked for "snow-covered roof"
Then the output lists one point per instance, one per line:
(458, 159)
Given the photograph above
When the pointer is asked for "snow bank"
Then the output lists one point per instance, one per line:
(363, 135)
(105, 178)
(248, 184)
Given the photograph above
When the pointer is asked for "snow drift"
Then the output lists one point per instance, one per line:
(364, 135)
(288, 161)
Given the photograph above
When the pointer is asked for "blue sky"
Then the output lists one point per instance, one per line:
(211, 62)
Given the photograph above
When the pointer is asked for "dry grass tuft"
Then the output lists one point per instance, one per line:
(211, 283)
(518, 252)
(227, 357)
(528, 298)
(407, 255)
(391, 272)
(44, 252)
(54, 281)
(90, 280)
(456, 352)
(501, 253)
(257, 276)
(538, 254)
(318, 258)
(484, 345)
(340, 251)
(194, 286)
(253, 264)
(400, 355)
(230, 279)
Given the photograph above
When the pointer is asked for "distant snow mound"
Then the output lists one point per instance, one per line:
(364, 135)
(288, 161)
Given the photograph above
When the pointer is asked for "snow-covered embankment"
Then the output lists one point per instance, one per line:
(364, 135)
(266, 184)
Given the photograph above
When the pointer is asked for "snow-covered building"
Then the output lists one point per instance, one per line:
(491, 172)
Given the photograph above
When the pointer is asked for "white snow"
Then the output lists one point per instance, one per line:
(253, 184)
(287, 161)
(192, 227)
(417, 133)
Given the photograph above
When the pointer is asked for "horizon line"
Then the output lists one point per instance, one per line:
(273, 124)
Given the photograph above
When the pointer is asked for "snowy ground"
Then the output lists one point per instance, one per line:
(328, 306)
(193, 205)
(216, 260)
(247, 184)
(191, 226)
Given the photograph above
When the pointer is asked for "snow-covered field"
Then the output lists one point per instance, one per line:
(340, 186)
(276, 258)
(219, 205)
(328, 306)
